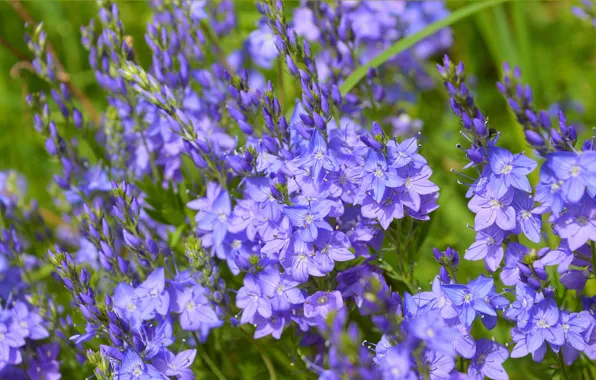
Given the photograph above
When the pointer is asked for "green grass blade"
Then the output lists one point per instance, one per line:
(409, 41)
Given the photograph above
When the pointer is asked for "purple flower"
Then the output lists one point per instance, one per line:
(429, 327)
(46, 365)
(577, 224)
(216, 220)
(127, 305)
(27, 323)
(400, 155)
(509, 170)
(491, 208)
(194, 308)
(470, 299)
(282, 291)
(520, 309)
(416, 183)
(309, 219)
(576, 170)
(321, 303)
(377, 176)
(261, 46)
(528, 216)
(388, 209)
(317, 157)
(331, 247)
(251, 299)
(153, 295)
(488, 361)
(488, 246)
(436, 299)
(510, 275)
(177, 365)
(299, 260)
(544, 326)
(133, 368)
(9, 340)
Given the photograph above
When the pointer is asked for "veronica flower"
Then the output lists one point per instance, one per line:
(216, 220)
(317, 157)
(520, 309)
(488, 361)
(194, 308)
(404, 153)
(429, 327)
(386, 211)
(439, 364)
(322, 303)
(27, 323)
(177, 365)
(273, 325)
(127, 305)
(331, 247)
(152, 292)
(470, 299)
(377, 176)
(9, 340)
(488, 246)
(575, 326)
(509, 170)
(577, 171)
(261, 46)
(544, 326)
(491, 208)
(528, 216)
(309, 219)
(416, 183)
(282, 290)
(250, 298)
(510, 275)
(578, 224)
(133, 368)
(436, 299)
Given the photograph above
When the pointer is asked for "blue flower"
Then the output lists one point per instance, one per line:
(134, 368)
(377, 176)
(216, 220)
(509, 170)
(576, 170)
(317, 157)
(544, 325)
(153, 295)
(488, 361)
(322, 303)
(194, 308)
(251, 300)
(177, 365)
(470, 299)
(309, 219)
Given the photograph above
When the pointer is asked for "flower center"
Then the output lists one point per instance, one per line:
(237, 244)
(524, 303)
(491, 241)
(468, 298)
(309, 219)
(1, 336)
(430, 332)
(378, 173)
(495, 203)
(565, 327)
(542, 324)
(554, 188)
(408, 182)
(319, 155)
(323, 300)
(190, 306)
(280, 289)
(441, 301)
(507, 169)
(131, 307)
(575, 170)
(526, 214)
(581, 220)
(24, 324)
(153, 293)
(223, 217)
(138, 371)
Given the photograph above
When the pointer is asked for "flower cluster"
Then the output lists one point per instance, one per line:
(238, 190)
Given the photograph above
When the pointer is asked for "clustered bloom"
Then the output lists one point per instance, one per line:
(210, 206)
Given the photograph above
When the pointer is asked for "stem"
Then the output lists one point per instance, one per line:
(25, 16)
(212, 38)
(13, 50)
(264, 356)
(280, 80)
(593, 247)
(563, 367)
(207, 359)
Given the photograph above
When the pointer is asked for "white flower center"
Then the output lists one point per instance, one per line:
(223, 217)
(190, 306)
(507, 169)
(468, 298)
(137, 371)
(526, 214)
(237, 244)
(131, 307)
(319, 155)
(378, 173)
(575, 170)
(565, 327)
(323, 300)
(542, 324)
(309, 219)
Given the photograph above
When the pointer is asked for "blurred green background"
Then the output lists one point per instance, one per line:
(555, 50)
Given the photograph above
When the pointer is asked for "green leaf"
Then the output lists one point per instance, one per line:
(409, 41)
(164, 204)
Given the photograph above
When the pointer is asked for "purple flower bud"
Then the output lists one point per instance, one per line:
(441, 70)
(534, 138)
(236, 113)
(336, 95)
(467, 122)
(459, 70)
(291, 65)
(122, 264)
(377, 130)
(77, 117)
(480, 128)
(371, 142)
(307, 120)
(106, 249)
(303, 131)
(319, 122)
(245, 127)
(306, 46)
(545, 120)
(444, 275)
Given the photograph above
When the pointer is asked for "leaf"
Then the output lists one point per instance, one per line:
(164, 204)
(409, 41)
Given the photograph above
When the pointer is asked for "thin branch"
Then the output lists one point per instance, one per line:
(13, 50)
(25, 16)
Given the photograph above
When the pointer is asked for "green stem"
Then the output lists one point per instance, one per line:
(212, 38)
(593, 247)
(264, 356)
(563, 366)
(409, 41)
(207, 359)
